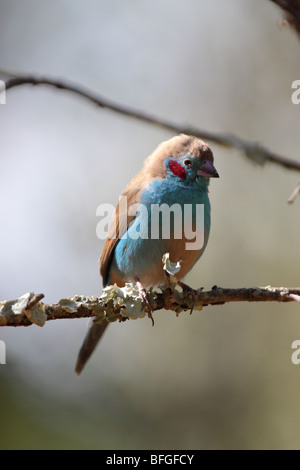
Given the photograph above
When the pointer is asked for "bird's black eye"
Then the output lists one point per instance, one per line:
(187, 162)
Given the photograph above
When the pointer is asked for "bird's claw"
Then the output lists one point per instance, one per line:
(144, 295)
(187, 290)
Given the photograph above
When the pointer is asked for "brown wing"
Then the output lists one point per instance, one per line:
(121, 221)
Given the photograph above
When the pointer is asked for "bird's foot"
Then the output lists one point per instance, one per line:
(144, 295)
(187, 290)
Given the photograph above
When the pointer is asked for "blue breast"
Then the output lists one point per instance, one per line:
(139, 252)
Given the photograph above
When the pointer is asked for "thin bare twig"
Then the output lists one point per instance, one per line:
(252, 150)
(294, 194)
(291, 9)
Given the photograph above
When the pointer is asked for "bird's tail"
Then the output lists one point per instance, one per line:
(93, 334)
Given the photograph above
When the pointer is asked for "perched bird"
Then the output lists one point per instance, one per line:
(177, 172)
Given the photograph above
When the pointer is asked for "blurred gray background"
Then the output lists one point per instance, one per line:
(221, 378)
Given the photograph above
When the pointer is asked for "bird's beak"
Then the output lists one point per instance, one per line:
(208, 170)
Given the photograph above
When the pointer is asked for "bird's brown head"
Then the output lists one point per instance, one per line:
(183, 157)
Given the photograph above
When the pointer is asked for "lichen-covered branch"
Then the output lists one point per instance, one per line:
(256, 152)
(125, 303)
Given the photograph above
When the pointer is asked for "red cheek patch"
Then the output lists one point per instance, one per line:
(177, 169)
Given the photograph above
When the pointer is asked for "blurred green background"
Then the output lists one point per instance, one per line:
(221, 378)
